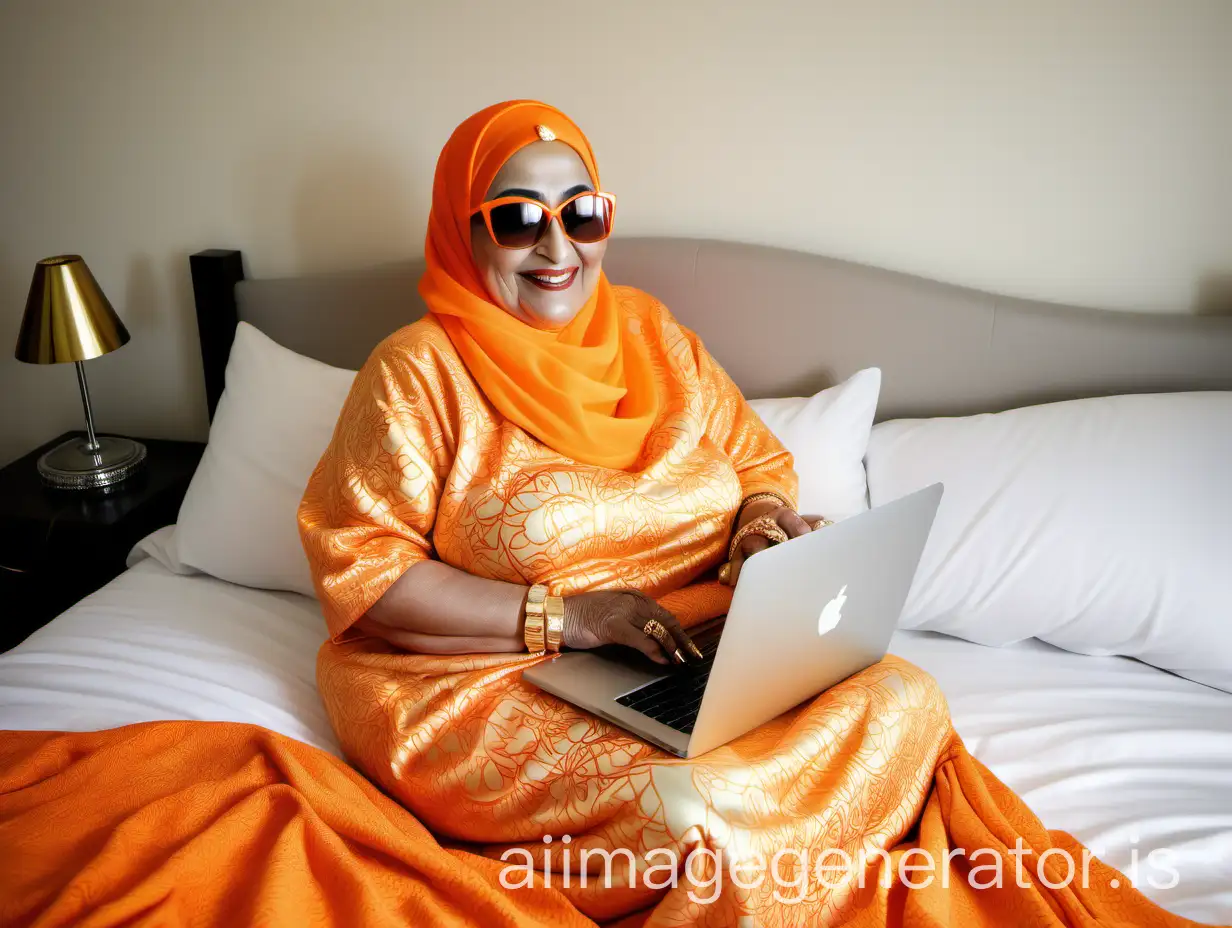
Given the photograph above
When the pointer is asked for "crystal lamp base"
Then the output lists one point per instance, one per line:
(74, 465)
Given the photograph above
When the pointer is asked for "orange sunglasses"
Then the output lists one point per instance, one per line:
(520, 222)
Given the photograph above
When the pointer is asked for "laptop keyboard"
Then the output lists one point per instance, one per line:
(676, 699)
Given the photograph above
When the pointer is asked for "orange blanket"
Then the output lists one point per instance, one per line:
(219, 824)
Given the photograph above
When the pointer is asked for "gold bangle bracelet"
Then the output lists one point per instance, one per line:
(758, 497)
(764, 526)
(533, 630)
(725, 569)
(554, 611)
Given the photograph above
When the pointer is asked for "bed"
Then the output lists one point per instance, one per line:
(1127, 757)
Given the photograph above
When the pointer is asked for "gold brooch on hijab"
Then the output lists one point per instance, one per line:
(545, 134)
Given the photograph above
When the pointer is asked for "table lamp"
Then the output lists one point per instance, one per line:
(67, 318)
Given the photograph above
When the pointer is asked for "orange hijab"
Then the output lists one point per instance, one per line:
(588, 391)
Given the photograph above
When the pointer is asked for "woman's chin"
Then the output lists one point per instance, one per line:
(547, 316)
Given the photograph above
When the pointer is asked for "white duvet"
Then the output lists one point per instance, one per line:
(1126, 757)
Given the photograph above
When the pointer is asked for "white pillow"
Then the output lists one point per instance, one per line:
(827, 434)
(164, 547)
(275, 418)
(277, 415)
(1102, 526)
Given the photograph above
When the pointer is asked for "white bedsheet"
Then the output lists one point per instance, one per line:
(1125, 757)
(154, 645)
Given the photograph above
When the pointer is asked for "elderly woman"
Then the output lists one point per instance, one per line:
(542, 428)
(544, 436)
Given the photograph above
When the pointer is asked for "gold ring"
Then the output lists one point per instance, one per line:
(658, 631)
(820, 523)
(725, 573)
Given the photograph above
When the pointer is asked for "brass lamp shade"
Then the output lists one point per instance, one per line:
(67, 316)
(69, 320)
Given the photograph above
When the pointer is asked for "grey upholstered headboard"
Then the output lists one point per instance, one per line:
(788, 323)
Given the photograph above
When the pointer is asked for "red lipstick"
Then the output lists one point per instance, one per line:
(551, 278)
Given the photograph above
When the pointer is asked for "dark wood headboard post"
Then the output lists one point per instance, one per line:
(215, 272)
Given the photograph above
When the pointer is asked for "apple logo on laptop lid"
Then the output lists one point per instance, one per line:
(832, 613)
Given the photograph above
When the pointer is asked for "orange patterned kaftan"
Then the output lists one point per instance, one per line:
(421, 465)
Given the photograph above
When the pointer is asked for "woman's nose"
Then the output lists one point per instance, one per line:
(554, 246)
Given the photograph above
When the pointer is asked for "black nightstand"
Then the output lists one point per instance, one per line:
(57, 546)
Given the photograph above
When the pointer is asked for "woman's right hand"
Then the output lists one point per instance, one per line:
(619, 617)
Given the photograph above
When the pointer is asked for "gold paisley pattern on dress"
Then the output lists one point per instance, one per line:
(422, 466)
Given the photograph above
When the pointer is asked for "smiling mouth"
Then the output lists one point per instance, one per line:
(551, 278)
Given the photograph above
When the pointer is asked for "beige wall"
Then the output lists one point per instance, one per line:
(1073, 150)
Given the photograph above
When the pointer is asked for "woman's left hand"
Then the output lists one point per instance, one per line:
(790, 521)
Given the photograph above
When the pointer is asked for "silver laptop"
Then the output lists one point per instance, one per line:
(805, 615)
